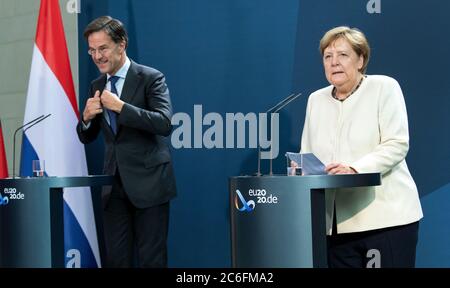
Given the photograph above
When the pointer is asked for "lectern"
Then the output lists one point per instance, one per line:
(279, 221)
(31, 219)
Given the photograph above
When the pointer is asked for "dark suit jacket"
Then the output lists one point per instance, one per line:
(138, 150)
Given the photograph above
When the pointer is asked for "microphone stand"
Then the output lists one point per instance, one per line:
(285, 103)
(26, 126)
(275, 108)
(259, 146)
(259, 161)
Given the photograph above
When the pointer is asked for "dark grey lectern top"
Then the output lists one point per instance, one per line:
(59, 182)
(279, 221)
(31, 219)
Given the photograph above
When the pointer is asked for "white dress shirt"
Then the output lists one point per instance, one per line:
(122, 74)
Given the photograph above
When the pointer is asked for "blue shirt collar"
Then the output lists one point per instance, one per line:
(122, 73)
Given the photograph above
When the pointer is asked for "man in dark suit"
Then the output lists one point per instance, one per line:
(130, 104)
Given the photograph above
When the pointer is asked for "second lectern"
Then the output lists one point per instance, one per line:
(279, 221)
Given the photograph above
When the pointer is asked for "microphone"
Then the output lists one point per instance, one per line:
(280, 105)
(285, 103)
(25, 127)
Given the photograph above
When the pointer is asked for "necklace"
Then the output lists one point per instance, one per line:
(333, 93)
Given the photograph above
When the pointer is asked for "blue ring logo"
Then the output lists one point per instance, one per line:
(3, 200)
(247, 206)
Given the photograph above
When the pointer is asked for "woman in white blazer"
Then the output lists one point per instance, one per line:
(359, 124)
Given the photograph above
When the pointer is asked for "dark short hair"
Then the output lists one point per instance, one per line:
(113, 27)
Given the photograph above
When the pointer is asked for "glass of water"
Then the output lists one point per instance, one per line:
(38, 168)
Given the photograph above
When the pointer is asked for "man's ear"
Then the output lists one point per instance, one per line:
(122, 46)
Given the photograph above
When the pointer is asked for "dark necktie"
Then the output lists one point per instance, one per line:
(112, 114)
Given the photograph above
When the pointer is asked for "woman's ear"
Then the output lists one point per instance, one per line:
(360, 62)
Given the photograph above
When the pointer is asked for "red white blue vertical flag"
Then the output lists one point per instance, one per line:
(3, 162)
(51, 90)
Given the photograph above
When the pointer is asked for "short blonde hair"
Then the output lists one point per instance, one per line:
(354, 36)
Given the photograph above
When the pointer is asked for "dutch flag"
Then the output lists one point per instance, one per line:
(51, 90)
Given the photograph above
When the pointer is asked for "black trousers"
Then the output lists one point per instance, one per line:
(392, 247)
(130, 231)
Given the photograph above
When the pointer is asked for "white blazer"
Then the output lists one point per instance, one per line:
(369, 132)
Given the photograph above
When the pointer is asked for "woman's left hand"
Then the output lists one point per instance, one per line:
(338, 168)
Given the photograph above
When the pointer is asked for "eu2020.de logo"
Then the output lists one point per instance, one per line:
(247, 206)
